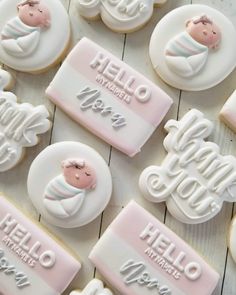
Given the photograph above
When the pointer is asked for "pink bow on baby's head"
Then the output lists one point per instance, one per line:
(29, 2)
(202, 19)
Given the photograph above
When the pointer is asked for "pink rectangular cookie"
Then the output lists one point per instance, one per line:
(139, 255)
(108, 97)
(31, 262)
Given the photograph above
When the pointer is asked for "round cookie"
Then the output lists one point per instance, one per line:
(123, 16)
(193, 47)
(70, 184)
(34, 34)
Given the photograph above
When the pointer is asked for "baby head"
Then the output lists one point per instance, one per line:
(204, 31)
(79, 174)
(34, 14)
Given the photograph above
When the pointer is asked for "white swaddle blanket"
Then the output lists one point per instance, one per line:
(19, 39)
(185, 56)
(61, 199)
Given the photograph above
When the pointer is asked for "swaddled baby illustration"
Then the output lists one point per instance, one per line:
(21, 35)
(187, 53)
(65, 194)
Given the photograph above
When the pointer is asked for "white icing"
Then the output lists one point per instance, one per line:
(19, 125)
(8, 281)
(5, 80)
(18, 39)
(91, 99)
(194, 178)
(94, 287)
(187, 56)
(63, 204)
(47, 259)
(135, 272)
(21, 279)
(161, 245)
(228, 112)
(119, 15)
(95, 200)
(33, 51)
(116, 74)
(173, 24)
(232, 239)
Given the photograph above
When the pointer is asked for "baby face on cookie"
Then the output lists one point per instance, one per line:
(34, 14)
(204, 31)
(79, 174)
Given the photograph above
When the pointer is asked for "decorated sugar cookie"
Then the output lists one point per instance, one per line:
(108, 97)
(94, 287)
(31, 261)
(20, 125)
(27, 28)
(75, 189)
(139, 255)
(188, 43)
(122, 15)
(187, 53)
(194, 178)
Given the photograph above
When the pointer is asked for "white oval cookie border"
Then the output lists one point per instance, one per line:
(174, 23)
(47, 165)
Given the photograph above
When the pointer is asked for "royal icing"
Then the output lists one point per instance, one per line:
(120, 15)
(187, 44)
(27, 27)
(94, 287)
(20, 36)
(19, 125)
(186, 54)
(145, 257)
(30, 260)
(76, 188)
(64, 195)
(194, 178)
(228, 112)
(232, 239)
(108, 97)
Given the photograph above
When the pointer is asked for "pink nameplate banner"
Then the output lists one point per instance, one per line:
(139, 255)
(194, 179)
(108, 97)
(31, 262)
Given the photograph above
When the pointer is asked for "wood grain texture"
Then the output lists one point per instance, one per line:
(209, 239)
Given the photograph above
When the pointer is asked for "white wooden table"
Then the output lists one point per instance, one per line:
(209, 239)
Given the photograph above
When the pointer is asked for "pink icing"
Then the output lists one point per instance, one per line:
(153, 111)
(54, 276)
(79, 173)
(204, 31)
(33, 13)
(129, 231)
